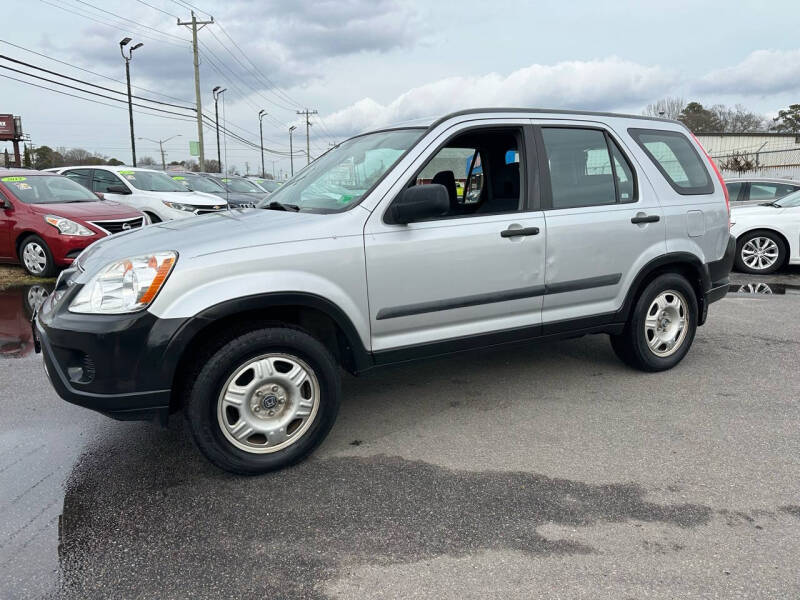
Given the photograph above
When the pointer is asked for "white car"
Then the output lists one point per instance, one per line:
(767, 235)
(153, 192)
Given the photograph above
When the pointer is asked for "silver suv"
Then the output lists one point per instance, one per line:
(484, 228)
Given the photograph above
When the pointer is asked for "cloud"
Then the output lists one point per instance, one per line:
(597, 84)
(762, 72)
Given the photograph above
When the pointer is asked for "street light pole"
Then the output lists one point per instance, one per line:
(261, 116)
(161, 147)
(291, 153)
(217, 92)
(124, 42)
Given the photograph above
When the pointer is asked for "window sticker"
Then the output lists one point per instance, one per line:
(178, 178)
(126, 172)
(23, 186)
(13, 179)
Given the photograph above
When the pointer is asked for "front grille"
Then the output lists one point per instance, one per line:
(204, 210)
(112, 227)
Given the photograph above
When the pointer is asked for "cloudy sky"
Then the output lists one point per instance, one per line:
(367, 63)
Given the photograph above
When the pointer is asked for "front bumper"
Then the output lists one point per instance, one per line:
(114, 364)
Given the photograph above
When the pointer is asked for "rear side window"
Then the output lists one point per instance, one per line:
(586, 168)
(734, 189)
(676, 158)
(82, 176)
(770, 191)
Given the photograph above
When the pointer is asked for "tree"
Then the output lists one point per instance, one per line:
(738, 119)
(77, 156)
(44, 157)
(114, 162)
(212, 166)
(699, 119)
(26, 157)
(788, 121)
(668, 108)
(146, 161)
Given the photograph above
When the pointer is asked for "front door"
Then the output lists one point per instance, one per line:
(474, 272)
(603, 222)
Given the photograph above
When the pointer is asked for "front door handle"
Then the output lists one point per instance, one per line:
(521, 231)
(645, 219)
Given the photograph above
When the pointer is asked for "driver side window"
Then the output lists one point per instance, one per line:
(103, 180)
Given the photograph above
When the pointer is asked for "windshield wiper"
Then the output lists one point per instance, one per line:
(275, 205)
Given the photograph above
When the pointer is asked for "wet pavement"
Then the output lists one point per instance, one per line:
(546, 471)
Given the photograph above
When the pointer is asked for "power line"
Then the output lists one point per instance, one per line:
(164, 33)
(158, 9)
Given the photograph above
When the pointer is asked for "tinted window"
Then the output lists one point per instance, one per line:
(580, 167)
(103, 180)
(199, 183)
(152, 181)
(734, 189)
(769, 191)
(82, 176)
(676, 158)
(241, 185)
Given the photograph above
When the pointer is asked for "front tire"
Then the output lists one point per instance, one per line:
(264, 400)
(662, 325)
(760, 253)
(36, 258)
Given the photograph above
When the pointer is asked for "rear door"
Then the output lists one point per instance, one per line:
(604, 222)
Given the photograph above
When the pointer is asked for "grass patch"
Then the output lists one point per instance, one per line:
(11, 275)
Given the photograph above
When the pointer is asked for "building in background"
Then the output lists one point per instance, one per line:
(766, 154)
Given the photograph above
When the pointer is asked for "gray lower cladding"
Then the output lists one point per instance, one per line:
(492, 297)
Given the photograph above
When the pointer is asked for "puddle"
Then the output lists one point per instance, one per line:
(764, 289)
(16, 308)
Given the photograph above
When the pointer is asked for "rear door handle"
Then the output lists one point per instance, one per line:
(645, 219)
(521, 231)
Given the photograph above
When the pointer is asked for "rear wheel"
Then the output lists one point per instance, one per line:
(36, 257)
(661, 327)
(263, 400)
(760, 252)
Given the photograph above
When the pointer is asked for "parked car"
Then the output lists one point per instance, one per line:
(767, 236)
(47, 220)
(17, 305)
(240, 185)
(202, 182)
(268, 185)
(755, 190)
(153, 192)
(582, 223)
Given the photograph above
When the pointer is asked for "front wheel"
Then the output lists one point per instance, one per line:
(264, 400)
(661, 327)
(36, 257)
(760, 253)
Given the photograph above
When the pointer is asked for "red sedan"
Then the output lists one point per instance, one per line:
(46, 220)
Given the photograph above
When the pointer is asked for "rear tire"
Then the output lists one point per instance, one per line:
(36, 258)
(760, 252)
(263, 400)
(661, 327)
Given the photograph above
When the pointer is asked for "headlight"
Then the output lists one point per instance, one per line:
(125, 285)
(67, 227)
(179, 206)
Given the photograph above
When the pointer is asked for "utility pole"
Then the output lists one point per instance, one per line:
(262, 113)
(217, 93)
(307, 113)
(124, 42)
(291, 152)
(273, 170)
(161, 147)
(194, 25)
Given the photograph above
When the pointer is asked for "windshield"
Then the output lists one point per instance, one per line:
(339, 178)
(152, 181)
(47, 189)
(789, 201)
(268, 184)
(241, 185)
(199, 183)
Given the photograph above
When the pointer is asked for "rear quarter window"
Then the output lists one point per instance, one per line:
(676, 158)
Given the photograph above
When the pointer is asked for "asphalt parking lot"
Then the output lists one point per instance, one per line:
(549, 471)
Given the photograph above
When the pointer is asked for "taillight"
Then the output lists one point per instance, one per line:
(721, 180)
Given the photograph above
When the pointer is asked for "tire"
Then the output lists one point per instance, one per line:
(243, 382)
(764, 250)
(643, 344)
(153, 217)
(36, 258)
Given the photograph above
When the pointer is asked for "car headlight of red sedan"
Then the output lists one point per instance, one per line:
(67, 227)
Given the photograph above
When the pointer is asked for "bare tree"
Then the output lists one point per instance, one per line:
(145, 161)
(668, 108)
(738, 119)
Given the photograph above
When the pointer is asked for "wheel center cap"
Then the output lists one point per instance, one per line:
(269, 401)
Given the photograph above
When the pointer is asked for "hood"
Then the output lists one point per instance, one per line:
(102, 209)
(187, 197)
(216, 233)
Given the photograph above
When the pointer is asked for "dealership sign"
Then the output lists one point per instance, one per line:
(10, 127)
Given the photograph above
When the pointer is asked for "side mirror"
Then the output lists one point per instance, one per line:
(117, 189)
(420, 202)
(5, 204)
(100, 195)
